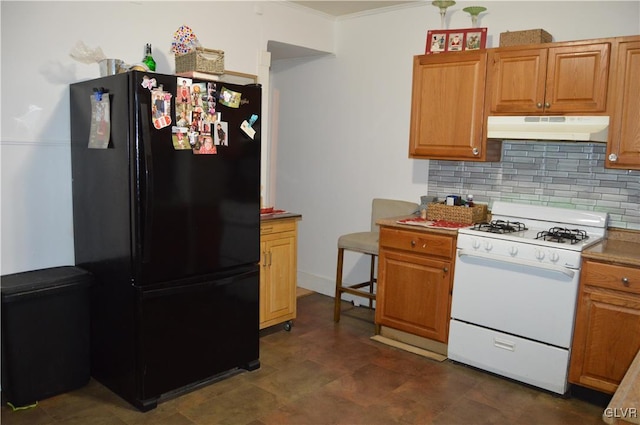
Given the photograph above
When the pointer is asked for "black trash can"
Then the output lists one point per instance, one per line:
(45, 333)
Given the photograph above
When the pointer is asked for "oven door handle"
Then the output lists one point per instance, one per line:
(568, 272)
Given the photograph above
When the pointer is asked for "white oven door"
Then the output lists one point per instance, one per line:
(521, 298)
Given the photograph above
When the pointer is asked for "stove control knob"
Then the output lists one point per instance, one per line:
(539, 254)
(488, 246)
(475, 244)
(513, 251)
(554, 257)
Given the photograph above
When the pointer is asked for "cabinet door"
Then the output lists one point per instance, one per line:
(516, 80)
(556, 80)
(577, 78)
(414, 294)
(278, 268)
(623, 149)
(447, 119)
(606, 340)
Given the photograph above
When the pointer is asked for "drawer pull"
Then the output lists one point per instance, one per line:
(413, 244)
(504, 344)
(625, 281)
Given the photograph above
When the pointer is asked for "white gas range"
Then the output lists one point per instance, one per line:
(515, 289)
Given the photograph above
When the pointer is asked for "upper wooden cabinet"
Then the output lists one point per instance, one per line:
(564, 79)
(623, 149)
(447, 104)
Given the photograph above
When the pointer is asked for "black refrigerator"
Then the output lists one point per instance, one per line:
(166, 214)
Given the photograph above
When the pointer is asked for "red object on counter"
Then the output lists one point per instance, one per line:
(433, 223)
(270, 210)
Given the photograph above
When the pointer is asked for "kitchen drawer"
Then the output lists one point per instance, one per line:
(418, 242)
(277, 226)
(524, 360)
(611, 276)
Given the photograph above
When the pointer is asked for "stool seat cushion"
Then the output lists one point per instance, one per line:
(365, 242)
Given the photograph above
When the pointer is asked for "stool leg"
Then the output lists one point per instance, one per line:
(338, 298)
(372, 278)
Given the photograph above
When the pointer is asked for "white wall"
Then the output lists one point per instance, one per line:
(37, 37)
(343, 122)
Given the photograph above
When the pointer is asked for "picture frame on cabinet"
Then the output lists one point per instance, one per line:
(455, 40)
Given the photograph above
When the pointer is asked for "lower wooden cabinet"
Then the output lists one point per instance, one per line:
(278, 269)
(607, 330)
(415, 277)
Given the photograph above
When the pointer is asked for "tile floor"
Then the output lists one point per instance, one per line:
(323, 373)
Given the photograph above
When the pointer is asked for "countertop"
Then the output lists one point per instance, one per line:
(621, 246)
(393, 222)
(279, 216)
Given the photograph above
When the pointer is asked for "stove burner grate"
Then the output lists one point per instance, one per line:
(562, 235)
(500, 226)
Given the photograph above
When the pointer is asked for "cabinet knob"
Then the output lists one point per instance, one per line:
(547, 105)
(613, 157)
(446, 269)
(539, 105)
(625, 281)
(413, 244)
(475, 151)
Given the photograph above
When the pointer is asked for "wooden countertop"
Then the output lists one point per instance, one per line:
(279, 216)
(621, 246)
(624, 407)
(393, 222)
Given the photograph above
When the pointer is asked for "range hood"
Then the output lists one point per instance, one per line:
(574, 128)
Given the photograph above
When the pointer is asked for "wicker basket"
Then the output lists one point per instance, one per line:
(518, 38)
(201, 60)
(462, 214)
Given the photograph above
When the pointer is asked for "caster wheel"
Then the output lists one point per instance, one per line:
(287, 326)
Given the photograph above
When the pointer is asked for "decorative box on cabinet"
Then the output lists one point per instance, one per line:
(623, 149)
(607, 330)
(570, 77)
(278, 270)
(415, 277)
(447, 120)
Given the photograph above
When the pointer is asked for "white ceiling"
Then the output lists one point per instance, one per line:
(339, 8)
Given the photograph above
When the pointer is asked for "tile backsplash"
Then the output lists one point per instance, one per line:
(566, 175)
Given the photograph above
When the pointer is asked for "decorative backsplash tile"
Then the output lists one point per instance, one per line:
(567, 175)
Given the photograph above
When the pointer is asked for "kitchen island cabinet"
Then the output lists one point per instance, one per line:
(607, 329)
(415, 278)
(567, 78)
(447, 120)
(623, 149)
(278, 269)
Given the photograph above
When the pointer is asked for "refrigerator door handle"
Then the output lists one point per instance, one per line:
(147, 204)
